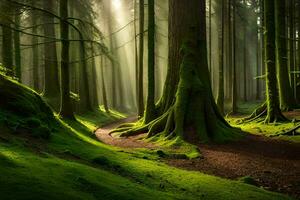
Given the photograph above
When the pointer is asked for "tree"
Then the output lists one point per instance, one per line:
(141, 62)
(287, 100)
(17, 47)
(150, 106)
(35, 50)
(66, 110)
(220, 98)
(234, 74)
(273, 109)
(192, 113)
(7, 38)
(51, 86)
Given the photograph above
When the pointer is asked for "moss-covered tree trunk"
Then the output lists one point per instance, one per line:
(273, 108)
(51, 86)
(150, 106)
(192, 113)
(287, 100)
(66, 109)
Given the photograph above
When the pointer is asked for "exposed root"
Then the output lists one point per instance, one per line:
(258, 113)
(291, 132)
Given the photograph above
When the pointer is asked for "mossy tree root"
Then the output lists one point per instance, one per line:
(261, 114)
(194, 116)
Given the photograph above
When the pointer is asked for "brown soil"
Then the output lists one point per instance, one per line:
(273, 164)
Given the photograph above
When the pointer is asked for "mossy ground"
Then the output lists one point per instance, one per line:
(71, 164)
(259, 128)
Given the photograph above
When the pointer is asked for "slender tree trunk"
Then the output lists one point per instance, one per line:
(51, 86)
(35, 52)
(245, 63)
(210, 38)
(17, 48)
(291, 45)
(85, 97)
(104, 94)
(141, 62)
(287, 100)
(150, 106)
(66, 110)
(136, 59)
(114, 88)
(273, 108)
(258, 64)
(95, 101)
(234, 75)
(7, 46)
(220, 98)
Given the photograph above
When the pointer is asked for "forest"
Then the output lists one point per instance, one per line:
(149, 99)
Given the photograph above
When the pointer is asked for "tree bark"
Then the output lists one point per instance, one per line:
(193, 114)
(66, 110)
(234, 75)
(141, 62)
(273, 110)
(150, 106)
(51, 86)
(17, 48)
(287, 100)
(35, 52)
(220, 98)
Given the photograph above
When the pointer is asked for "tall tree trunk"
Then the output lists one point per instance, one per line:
(234, 75)
(220, 98)
(291, 54)
(136, 59)
(210, 39)
(193, 87)
(287, 100)
(258, 64)
(245, 62)
(150, 106)
(51, 86)
(94, 98)
(66, 110)
(273, 109)
(7, 44)
(35, 52)
(141, 62)
(104, 94)
(17, 47)
(85, 97)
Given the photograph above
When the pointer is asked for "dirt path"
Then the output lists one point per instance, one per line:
(273, 164)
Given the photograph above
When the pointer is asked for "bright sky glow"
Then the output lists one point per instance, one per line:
(117, 4)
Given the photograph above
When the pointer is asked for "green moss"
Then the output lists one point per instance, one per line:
(72, 165)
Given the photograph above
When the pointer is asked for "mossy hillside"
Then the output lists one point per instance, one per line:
(23, 111)
(73, 165)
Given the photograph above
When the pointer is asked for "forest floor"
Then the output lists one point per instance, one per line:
(271, 163)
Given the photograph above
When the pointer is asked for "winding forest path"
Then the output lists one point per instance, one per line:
(273, 164)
